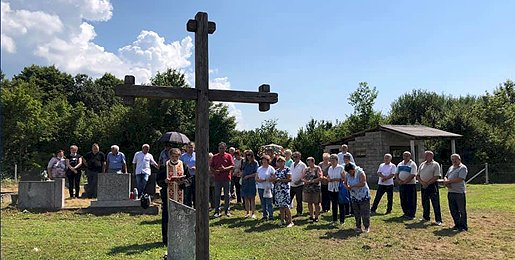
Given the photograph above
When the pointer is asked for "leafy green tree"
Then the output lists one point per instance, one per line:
(25, 123)
(364, 116)
(419, 107)
(50, 81)
(310, 138)
(267, 133)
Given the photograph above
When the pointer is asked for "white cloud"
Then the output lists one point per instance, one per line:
(224, 84)
(60, 32)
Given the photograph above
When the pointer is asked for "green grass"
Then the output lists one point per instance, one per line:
(68, 234)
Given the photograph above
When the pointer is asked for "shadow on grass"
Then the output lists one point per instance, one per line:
(151, 222)
(395, 219)
(417, 225)
(319, 226)
(446, 232)
(135, 249)
(340, 234)
(251, 225)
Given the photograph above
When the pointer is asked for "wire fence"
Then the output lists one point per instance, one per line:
(497, 173)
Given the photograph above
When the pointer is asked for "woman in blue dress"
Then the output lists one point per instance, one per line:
(281, 179)
(248, 183)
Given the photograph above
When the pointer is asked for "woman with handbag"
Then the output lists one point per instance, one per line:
(335, 177)
(265, 186)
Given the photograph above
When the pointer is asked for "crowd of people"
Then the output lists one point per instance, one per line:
(335, 184)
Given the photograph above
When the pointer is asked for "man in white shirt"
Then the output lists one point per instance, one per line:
(141, 166)
(344, 150)
(385, 172)
(428, 174)
(296, 184)
(405, 176)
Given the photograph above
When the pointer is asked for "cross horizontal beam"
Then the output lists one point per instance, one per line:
(157, 92)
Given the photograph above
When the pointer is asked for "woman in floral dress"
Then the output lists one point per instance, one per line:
(281, 179)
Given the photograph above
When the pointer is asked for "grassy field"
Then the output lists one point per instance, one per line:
(73, 235)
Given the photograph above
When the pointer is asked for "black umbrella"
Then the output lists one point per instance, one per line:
(174, 137)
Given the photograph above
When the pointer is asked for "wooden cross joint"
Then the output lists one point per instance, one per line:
(129, 81)
(191, 26)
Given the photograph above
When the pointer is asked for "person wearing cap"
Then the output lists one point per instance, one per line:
(385, 174)
(311, 177)
(115, 161)
(297, 186)
(455, 182)
(356, 181)
(405, 175)
(281, 179)
(141, 165)
(344, 150)
(428, 175)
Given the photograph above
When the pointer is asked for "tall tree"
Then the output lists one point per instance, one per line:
(364, 116)
(267, 133)
(310, 138)
(419, 107)
(50, 81)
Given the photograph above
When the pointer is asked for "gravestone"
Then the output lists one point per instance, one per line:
(113, 196)
(41, 195)
(181, 231)
(113, 191)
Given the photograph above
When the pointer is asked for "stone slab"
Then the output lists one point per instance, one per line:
(42, 195)
(181, 231)
(115, 203)
(113, 187)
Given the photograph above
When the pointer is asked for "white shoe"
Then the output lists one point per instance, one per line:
(217, 215)
(438, 223)
(253, 216)
(367, 230)
(247, 215)
(291, 224)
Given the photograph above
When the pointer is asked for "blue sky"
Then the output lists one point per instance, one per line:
(312, 54)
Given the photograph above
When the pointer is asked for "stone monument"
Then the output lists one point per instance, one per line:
(181, 231)
(113, 195)
(41, 195)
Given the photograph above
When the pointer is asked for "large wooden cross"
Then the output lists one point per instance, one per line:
(202, 94)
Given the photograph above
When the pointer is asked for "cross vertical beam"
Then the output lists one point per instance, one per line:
(200, 27)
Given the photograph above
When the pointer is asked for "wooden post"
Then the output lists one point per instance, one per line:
(412, 148)
(201, 134)
(487, 179)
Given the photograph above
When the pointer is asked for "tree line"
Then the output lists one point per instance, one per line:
(44, 109)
